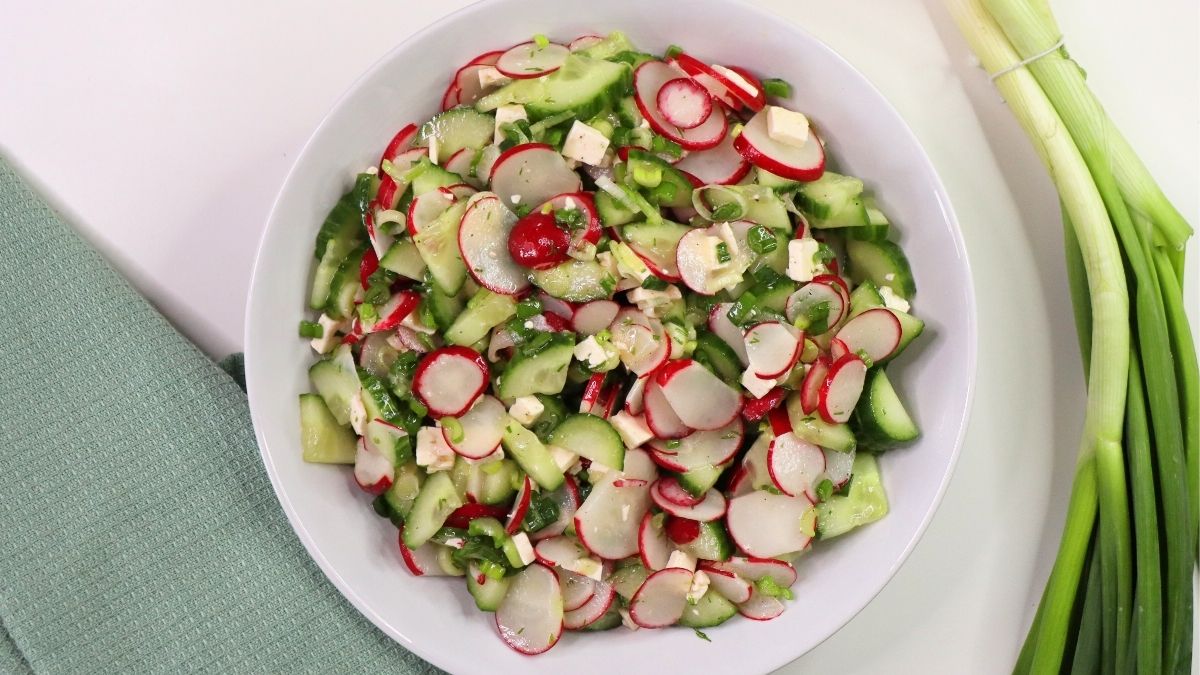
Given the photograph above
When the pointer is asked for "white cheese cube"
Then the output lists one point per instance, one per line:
(433, 149)
(358, 413)
(682, 561)
(802, 265)
(757, 386)
(734, 77)
(588, 567)
(520, 541)
(564, 459)
(433, 452)
(787, 126)
(699, 587)
(632, 429)
(593, 354)
(893, 301)
(492, 77)
(526, 410)
(585, 144)
(507, 114)
(329, 338)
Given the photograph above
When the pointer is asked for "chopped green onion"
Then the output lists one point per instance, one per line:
(672, 51)
(743, 309)
(824, 490)
(723, 255)
(773, 86)
(824, 254)
(761, 240)
(653, 283)
(541, 41)
(455, 428)
(572, 219)
(674, 443)
(528, 308)
(368, 313)
(311, 329)
(646, 174)
(664, 146)
(726, 212)
(769, 587)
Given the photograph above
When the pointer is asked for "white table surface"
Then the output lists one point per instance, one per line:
(164, 131)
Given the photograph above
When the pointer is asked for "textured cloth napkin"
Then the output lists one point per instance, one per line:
(138, 529)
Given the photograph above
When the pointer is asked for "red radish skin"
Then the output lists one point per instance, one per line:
(684, 103)
(721, 165)
(395, 310)
(711, 508)
(422, 562)
(753, 569)
(876, 333)
(681, 530)
(731, 587)
(532, 173)
(740, 483)
(837, 349)
(806, 163)
(373, 471)
(755, 100)
(595, 608)
(635, 399)
(780, 422)
(559, 552)
(661, 599)
(424, 209)
(660, 417)
(838, 466)
(463, 515)
(810, 388)
(529, 60)
(707, 78)
(449, 380)
(720, 325)
(577, 589)
(567, 498)
(530, 618)
(814, 293)
(591, 392)
(701, 448)
(451, 97)
(761, 607)
(773, 348)
(699, 398)
(485, 240)
(582, 201)
(834, 280)
(842, 388)
(795, 465)
(520, 507)
(400, 142)
(556, 306)
(754, 409)
(648, 79)
(482, 428)
(669, 489)
(584, 42)
(367, 267)
(538, 243)
(654, 548)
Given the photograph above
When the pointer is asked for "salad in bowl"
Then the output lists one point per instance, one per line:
(607, 339)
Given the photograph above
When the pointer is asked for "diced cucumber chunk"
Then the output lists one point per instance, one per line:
(775, 297)
(404, 259)
(405, 488)
(712, 610)
(524, 447)
(437, 243)
(498, 481)
(543, 372)
(487, 592)
(582, 85)
(778, 183)
(882, 263)
(877, 226)
(445, 307)
(765, 207)
(612, 44)
(591, 437)
(830, 195)
(611, 211)
(324, 440)
(611, 619)
(345, 285)
(715, 354)
(658, 241)
(336, 379)
(628, 577)
(712, 544)
(434, 503)
(865, 501)
(576, 281)
(817, 431)
(427, 177)
(865, 296)
(484, 311)
(340, 234)
(454, 130)
(880, 417)
(702, 478)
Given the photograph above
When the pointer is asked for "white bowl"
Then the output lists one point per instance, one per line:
(435, 617)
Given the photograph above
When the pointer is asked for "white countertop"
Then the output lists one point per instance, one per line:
(164, 130)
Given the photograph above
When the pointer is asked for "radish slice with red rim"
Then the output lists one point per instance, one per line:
(875, 332)
(721, 326)
(721, 165)
(661, 599)
(529, 60)
(653, 546)
(556, 306)
(842, 388)
(804, 163)
(567, 499)
(483, 235)
(668, 488)
(731, 587)
(399, 306)
(480, 430)
(783, 574)
(707, 510)
(584, 42)
(700, 399)
(426, 208)
(533, 173)
(487, 160)
(744, 86)
(463, 515)
(421, 561)
(773, 348)
(635, 399)
(808, 301)
(577, 589)
(701, 448)
(684, 103)
(530, 618)
(581, 201)
(600, 602)
(460, 163)
(560, 551)
(373, 470)
(449, 380)
(810, 388)
(648, 79)
(592, 317)
(401, 142)
(837, 349)
(795, 465)
(765, 525)
(706, 77)
(609, 520)
(740, 483)
(520, 507)
(660, 416)
(839, 466)
(451, 97)
(681, 530)
(467, 84)
(760, 607)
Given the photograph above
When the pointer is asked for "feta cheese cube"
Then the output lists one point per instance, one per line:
(787, 126)
(433, 149)
(492, 77)
(526, 410)
(564, 459)
(358, 413)
(626, 619)
(652, 302)
(632, 429)
(757, 386)
(507, 114)
(699, 587)
(682, 560)
(433, 452)
(329, 338)
(802, 265)
(893, 301)
(524, 548)
(736, 78)
(588, 567)
(593, 354)
(586, 144)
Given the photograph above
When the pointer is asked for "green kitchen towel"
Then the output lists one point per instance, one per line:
(138, 529)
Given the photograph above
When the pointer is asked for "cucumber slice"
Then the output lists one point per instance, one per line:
(712, 544)
(817, 431)
(882, 263)
(487, 592)
(544, 372)
(765, 207)
(404, 259)
(592, 437)
(658, 242)
(438, 246)
(576, 281)
(454, 130)
(777, 183)
(498, 482)
(910, 328)
(336, 379)
(830, 195)
(865, 501)
(445, 307)
(628, 578)
(880, 418)
(582, 85)
(712, 610)
(665, 185)
(614, 43)
(345, 285)
(775, 297)
(341, 233)
(485, 311)
(434, 503)
(866, 296)
(611, 619)
(877, 226)
(405, 488)
(524, 447)
(324, 440)
(715, 354)
(427, 177)
(702, 478)
(611, 211)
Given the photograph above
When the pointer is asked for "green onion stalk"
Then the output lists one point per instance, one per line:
(1119, 596)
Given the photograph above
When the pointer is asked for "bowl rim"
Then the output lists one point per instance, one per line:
(971, 339)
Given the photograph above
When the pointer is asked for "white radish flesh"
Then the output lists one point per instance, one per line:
(694, 262)
(701, 399)
(608, 521)
(481, 429)
(838, 466)
(449, 380)
(795, 465)
(668, 488)
(660, 416)
(721, 326)
(804, 163)
(812, 295)
(374, 471)
(600, 602)
(592, 317)
(875, 332)
(702, 448)
(773, 347)
(721, 165)
(684, 103)
(426, 208)
(635, 399)
(421, 561)
(753, 569)
(640, 348)
(532, 173)
(395, 310)
(530, 60)
(707, 510)
(520, 507)
(761, 607)
(653, 546)
(731, 587)
(530, 618)
(810, 388)
(556, 306)
(842, 388)
(560, 551)
(584, 42)
(765, 525)
(483, 241)
(648, 80)
(577, 589)
(661, 599)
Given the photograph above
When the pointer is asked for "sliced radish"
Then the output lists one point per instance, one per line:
(466, 85)
(407, 339)
(693, 258)
(381, 436)
(592, 317)
(584, 42)
(591, 392)
(810, 388)
(765, 525)
(582, 201)
(795, 465)
(707, 510)
(449, 380)
(740, 483)
(451, 97)
(753, 569)
(754, 409)
(483, 237)
(463, 515)
(744, 86)
(684, 103)
(721, 326)
(648, 80)
(706, 77)
(731, 587)
(660, 416)
(426, 208)
(577, 589)
(773, 348)
(804, 163)
(529, 60)
(681, 530)
(635, 399)
(487, 160)
(520, 507)
(875, 332)
(532, 173)
(639, 347)
(700, 398)
(811, 296)
(482, 429)
(780, 422)
(567, 499)
(837, 349)
(555, 306)
(374, 470)
(401, 142)
(761, 607)
(530, 618)
(600, 602)
(461, 191)
(842, 388)
(421, 561)
(460, 162)
(661, 599)
(722, 165)
(701, 449)
(653, 546)
(608, 521)
(839, 466)
(560, 551)
(395, 310)
(668, 488)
